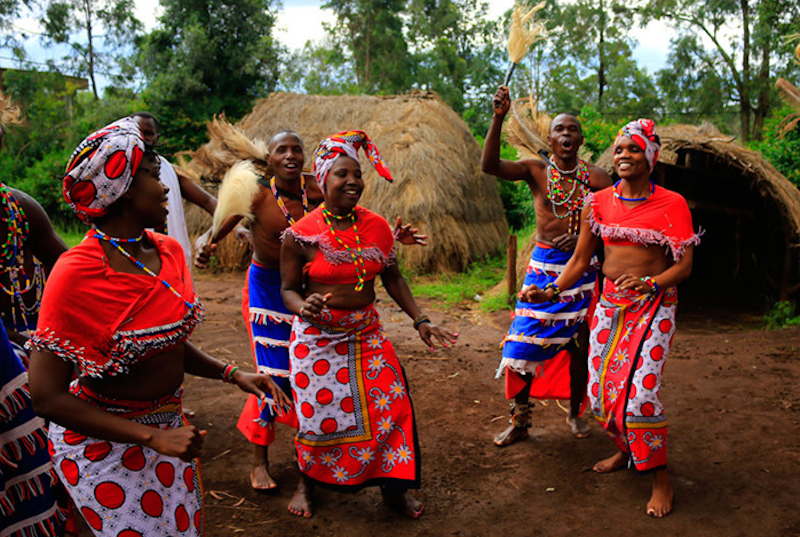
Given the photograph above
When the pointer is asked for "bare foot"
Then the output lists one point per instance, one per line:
(511, 435)
(578, 427)
(260, 479)
(616, 462)
(403, 503)
(300, 503)
(660, 504)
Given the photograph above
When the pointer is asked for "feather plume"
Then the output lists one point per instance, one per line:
(523, 32)
(9, 113)
(236, 193)
(527, 128)
(791, 95)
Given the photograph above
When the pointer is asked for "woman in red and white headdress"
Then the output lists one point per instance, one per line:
(356, 419)
(649, 241)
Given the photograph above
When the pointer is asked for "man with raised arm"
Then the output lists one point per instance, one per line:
(545, 350)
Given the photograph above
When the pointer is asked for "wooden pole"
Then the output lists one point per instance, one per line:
(511, 266)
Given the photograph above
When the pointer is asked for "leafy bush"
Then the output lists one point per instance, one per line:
(781, 315)
(782, 151)
(598, 133)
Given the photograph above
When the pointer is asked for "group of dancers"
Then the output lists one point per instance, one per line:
(111, 346)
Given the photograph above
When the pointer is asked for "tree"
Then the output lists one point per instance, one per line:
(759, 25)
(93, 29)
(370, 32)
(207, 57)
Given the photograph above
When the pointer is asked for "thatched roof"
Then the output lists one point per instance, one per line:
(434, 159)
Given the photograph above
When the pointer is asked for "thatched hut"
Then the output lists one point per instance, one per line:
(438, 185)
(749, 211)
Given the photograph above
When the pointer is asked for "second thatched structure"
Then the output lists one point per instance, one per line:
(434, 159)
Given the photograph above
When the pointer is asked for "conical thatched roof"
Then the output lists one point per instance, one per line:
(750, 210)
(434, 159)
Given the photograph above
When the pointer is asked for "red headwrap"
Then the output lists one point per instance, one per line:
(346, 143)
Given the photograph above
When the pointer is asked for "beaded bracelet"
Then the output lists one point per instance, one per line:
(556, 290)
(420, 320)
(649, 280)
(227, 373)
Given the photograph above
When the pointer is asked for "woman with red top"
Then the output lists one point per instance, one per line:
(648, 241)
(356, 419)
(119, 308)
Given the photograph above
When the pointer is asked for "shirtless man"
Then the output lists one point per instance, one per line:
(540, 332)
(285, 198)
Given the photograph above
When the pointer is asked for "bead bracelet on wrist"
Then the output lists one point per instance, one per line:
(420, 320)
(227, 373)
(556, 291)
(649, 280)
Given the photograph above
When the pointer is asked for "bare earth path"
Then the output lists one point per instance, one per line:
(731, 394)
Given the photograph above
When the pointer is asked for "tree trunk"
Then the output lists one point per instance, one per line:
(87, 12)
(744, 90)
(601, 68)
(763, 95)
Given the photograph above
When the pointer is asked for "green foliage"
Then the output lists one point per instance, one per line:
(207, 57)
(452, 289)
(783, 151)
(94, 30)
(598, 132)
(72, 235)
(781, 314)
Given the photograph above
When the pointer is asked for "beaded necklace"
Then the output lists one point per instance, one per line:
(358, 260)
(620, 197)
(100, 235)
(282, 205)
(13, 263)
(559, 197)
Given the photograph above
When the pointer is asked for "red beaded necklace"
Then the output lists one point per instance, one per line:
(559, 197)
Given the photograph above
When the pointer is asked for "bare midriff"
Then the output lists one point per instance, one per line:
(635, 260)
(344, 296)
(149, 380)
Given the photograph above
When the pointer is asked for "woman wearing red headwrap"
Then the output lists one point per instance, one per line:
(648, 240)
(356, 419)
(119, 308)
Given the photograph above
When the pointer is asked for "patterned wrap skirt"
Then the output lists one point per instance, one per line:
(128, 490)
(630, 338)
(356, 419)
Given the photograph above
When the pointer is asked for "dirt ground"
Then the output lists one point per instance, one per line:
(731, 395)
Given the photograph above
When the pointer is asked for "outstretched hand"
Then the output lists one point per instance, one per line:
(261, 384)
(405, 234)
(182, 442)
(501, 102)
(429, 331)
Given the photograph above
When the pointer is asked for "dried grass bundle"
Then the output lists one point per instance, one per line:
(236, 193)
(9, 113)
(527, 128)
(523, 32)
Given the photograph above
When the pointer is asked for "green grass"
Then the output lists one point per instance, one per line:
(72, 235)
(452, 289)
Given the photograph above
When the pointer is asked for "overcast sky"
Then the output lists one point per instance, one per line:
(301, 20)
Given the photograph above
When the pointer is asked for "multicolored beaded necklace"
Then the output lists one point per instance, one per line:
(358, 260)
(620, 197)
(100, 235)
(13, 263)
(282, 205)
(559, 197)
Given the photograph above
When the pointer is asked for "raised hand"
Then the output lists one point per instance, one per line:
(429, 331)
(405, 234)
(314, 304)
(501, 102)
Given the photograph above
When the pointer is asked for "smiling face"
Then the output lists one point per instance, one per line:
(630, 160)
(286, 156)
(344, 186)
(565, 136)
(147, 195)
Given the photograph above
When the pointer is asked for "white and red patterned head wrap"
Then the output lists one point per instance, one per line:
(102, 167)
(347, 144)
(643, 133)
